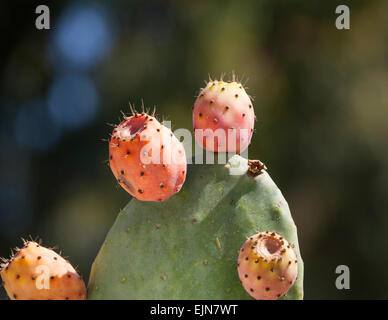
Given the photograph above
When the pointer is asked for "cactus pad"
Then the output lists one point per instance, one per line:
(187, 247)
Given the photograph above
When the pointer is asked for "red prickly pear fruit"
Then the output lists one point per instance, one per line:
(223, 117)
(267, 266)
(146, 158)
(38, 273)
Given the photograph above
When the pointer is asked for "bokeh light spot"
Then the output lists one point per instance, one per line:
(73, 100)
(83, 35)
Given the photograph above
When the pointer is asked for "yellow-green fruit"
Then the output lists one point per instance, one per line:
(39, 273)
(267, 266)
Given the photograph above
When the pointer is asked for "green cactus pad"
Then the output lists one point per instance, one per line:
(187, 247)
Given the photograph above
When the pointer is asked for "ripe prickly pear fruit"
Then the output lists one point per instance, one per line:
(187, 247)
(146, 158)
(38, 273)
(223, 117)
(267, 266)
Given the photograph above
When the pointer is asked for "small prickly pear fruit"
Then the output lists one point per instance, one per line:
(37, 273)
(267, 266)
(146, 158)
(223, 117)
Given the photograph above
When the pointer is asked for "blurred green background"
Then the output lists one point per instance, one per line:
(321, 99)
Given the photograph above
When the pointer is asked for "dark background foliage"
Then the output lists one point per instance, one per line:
(320, 98)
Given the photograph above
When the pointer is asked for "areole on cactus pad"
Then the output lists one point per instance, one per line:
(187, 247)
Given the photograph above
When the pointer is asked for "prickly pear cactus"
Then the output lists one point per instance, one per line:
(187, 247)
